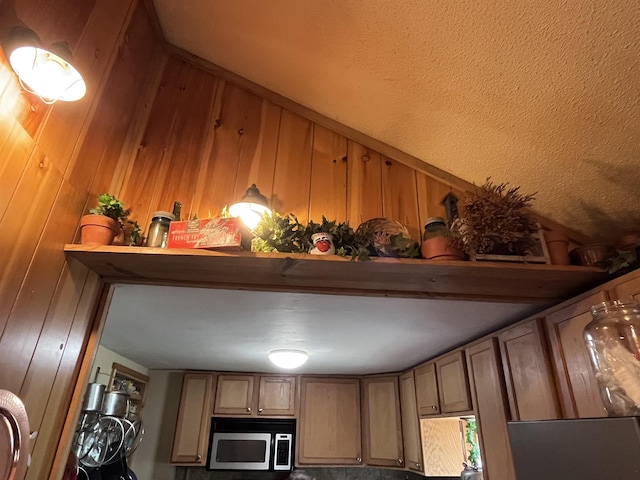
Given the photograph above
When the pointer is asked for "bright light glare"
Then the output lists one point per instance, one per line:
(288, 359)
(249, 213)
(47, 75)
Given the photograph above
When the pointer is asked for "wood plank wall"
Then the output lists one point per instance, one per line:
(54, 160)
(208, 140)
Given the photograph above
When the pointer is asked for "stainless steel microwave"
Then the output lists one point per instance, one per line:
(251, 444)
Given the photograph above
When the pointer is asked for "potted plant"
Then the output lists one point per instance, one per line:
(495, 221)
(439, 242)
(103, 222)
(385, 237)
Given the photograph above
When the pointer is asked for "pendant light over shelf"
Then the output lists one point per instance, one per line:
(251, 207)
(45, 72)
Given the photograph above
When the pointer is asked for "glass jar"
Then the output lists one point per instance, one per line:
(613, 341)
(435, 227)
(159, 229)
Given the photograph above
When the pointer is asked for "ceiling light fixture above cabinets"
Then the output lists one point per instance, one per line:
(288, 359)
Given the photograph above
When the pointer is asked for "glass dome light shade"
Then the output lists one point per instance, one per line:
(251, 207)
(288, 359)
(44, 72)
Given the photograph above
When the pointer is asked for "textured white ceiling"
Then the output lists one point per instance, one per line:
(541, 94)
(234, 330)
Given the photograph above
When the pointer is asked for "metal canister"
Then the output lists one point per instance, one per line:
(93, 397)
(115, 404)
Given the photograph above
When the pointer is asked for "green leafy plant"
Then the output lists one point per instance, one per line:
(471, 440)
(111, 207)
(621, 260)
(276, 233)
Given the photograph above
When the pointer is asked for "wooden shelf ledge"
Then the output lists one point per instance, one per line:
(484, 281)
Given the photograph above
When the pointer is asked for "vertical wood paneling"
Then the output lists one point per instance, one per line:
(36, 291)
(44, 321)
(139, 187)
(46, 444)
(15, 150)
(183, 157)
(240, 115)
(259, 147)
(364, 184)
(20, 229)
(103, 143)
(292, 178)
(328, 176)
(67, 121)
(399, 195)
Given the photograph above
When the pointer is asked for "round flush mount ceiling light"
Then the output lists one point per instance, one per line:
(46, 72)
(288, 359)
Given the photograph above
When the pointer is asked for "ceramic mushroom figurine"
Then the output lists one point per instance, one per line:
(322, 244)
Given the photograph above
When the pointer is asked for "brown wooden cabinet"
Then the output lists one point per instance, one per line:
(627, 288)
(381, 422)
(579, 394)
(427, 390)
(194, 418)
(329, 431)
(453, 385)
(492, 411)
(410, 423)
(529, 378)
(255, 395)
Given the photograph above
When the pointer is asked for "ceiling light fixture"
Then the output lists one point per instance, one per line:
(47, 73)
(288, 359)
(251, 207)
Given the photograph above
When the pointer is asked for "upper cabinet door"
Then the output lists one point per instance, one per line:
(427, 390)
(329, 429)
(410, 423)
(492, 411)
(453, 383)
(194, 416)
(579, 393)
(277, 396)
(381, 422)
(234, 395)
(629, 289)
(530, 383)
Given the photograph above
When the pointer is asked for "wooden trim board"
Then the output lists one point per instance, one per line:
(481, 281)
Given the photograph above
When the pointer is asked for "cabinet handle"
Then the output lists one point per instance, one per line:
(434, 407)
(249, 409)
(198, 457)
(359, 460)
(260, 410)
(418, 466)
(399, 461)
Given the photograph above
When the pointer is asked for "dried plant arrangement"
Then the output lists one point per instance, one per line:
(495, 221)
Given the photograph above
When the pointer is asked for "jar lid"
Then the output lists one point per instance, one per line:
(431, 220)
(163, 214)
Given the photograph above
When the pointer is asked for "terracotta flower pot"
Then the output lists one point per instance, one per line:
(98, 230)
(440, 248)
(558, 247)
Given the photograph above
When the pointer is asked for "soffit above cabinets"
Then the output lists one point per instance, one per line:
(204, 310)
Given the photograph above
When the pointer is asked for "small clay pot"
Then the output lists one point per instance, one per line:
(558, 247)
(440, 248)
(98, 230)
(628, 242)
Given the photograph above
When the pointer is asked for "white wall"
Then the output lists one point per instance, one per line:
(151, 460)
(105, 359)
